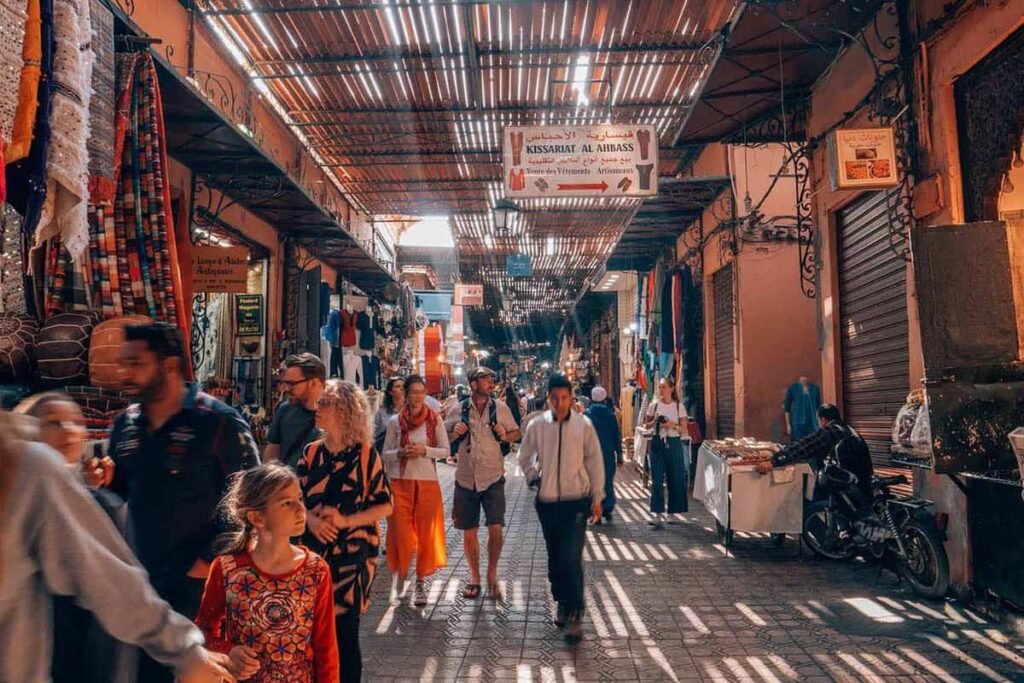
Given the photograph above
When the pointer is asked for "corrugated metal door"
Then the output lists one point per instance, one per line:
(725, 360)
(873, 323)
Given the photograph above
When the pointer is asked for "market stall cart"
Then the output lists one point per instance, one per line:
(742, 499)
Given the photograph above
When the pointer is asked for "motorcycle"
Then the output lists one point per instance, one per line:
(899, 531)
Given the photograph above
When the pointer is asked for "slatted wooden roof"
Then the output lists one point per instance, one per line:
(404, 101)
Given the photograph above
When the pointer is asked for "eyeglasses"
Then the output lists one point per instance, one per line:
(292, 383)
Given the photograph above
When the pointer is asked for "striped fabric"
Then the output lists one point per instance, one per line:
(133, 262)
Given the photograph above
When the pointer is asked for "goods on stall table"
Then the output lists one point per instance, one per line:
(744, 451)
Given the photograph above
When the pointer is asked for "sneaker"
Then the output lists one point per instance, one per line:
(561, 616)
(574, 629)
(419, 594)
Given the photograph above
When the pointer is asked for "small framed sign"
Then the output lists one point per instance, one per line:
(864, 158)
(249, 315)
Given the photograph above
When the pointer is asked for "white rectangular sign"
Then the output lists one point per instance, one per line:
(469, 295)
(580, 161)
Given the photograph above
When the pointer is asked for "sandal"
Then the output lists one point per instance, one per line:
(494, 592)
(471, 591)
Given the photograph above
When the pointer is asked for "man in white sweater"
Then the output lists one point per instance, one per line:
(561, 455)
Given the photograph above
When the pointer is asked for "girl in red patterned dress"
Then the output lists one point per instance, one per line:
(269, 604)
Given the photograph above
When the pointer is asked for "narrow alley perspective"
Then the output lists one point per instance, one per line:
(511, 340)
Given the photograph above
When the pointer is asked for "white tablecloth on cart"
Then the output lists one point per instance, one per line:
(763, 503)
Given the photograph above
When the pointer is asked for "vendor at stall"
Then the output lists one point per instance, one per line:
(833, 435)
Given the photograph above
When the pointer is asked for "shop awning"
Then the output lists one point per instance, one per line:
(225, 157)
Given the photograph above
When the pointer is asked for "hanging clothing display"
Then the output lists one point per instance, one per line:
(364, 324)
(352, 365)
(67, 165)
(348, 329)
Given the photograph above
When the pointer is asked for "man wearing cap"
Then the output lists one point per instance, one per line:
(561, 456)
(478, 428)
(173, 453)
(609, 434)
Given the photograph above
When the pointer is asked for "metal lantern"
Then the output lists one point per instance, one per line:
(503, 211)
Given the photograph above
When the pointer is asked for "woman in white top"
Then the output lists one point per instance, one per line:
(416, 439)
(669, 467)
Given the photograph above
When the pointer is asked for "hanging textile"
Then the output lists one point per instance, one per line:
(20, 89)
(432, 350)
(26, 172)
(206, 312)
(13, 20)
(101, 105)
(691, 314)
(67, 165)
(12, 281)
(134, 256)
(65, 282)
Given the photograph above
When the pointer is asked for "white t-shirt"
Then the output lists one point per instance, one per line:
(673, 412)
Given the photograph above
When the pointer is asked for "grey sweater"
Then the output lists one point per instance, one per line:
(56, 540)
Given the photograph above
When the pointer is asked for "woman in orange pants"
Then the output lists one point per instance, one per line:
(416, 439)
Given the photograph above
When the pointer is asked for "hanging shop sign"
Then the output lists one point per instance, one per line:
(358, 303)
(249, 315)
(220, 269)
(863, 158)
(519, 265)
(469, 295)
(580, 161)
(456, 351)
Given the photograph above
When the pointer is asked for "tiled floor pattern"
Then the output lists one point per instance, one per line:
(673, 605)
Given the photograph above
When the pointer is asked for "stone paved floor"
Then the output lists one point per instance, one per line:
(672, 605)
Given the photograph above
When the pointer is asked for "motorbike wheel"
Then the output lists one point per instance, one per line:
(822, 529)
(926, 568)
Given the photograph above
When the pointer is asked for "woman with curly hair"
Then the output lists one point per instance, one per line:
(346, 494)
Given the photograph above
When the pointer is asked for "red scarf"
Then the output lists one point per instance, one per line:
(409, 424)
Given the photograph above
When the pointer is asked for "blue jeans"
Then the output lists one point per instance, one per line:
(669, 467)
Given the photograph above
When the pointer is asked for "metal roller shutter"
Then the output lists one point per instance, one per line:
(725, 363)
(873, 323)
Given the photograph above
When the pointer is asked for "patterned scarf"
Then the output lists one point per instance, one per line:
(410, 423)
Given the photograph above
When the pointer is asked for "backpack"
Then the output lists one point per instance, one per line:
(492, 418)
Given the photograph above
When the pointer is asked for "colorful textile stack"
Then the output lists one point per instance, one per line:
(134, 264)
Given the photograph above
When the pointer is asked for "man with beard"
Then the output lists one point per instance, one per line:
(294, 425)
(173, 453)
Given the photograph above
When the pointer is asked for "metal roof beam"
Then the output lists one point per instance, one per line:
(462, 109)
(431, 60)
(390, 55)
(345, 7)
